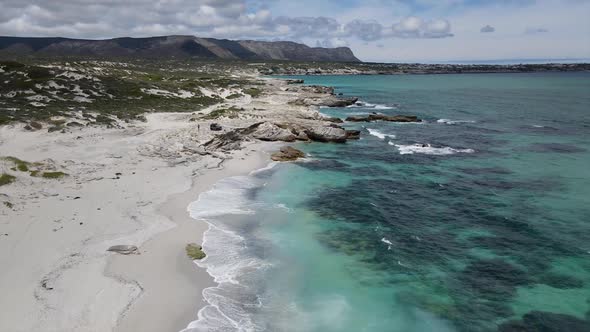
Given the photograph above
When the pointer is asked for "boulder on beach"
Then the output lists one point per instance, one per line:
(231, 140)
(123, 249)
(383, 117)
(267, 131)
(215, 127)
(287, 153)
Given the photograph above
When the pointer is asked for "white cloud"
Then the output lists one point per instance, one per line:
(207, 18)
(415, 27)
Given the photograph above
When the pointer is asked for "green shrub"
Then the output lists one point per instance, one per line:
(21, 165)
(254, 92)
(53, 175)
(6, 179)
(235, 96)
(39, 73)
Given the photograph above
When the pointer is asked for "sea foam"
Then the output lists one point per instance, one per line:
(229, 258)
(362, 104)
(379, 134)
(452, 122)
(428, 149)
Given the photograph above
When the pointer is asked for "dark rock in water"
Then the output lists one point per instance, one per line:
(541, 321)
(325, 165)
(334, 120)
(561, 281)
(383, 117)
(353, 134)
(27, 127)
(287, 153)
(555, 148)
(493, 279)
(486, 170)
(326, 134)
(123, 249)
(295, 81)
(74, 124)
(215, 127)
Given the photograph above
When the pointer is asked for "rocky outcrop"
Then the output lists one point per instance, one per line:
(333, 134)
(231, 140)
(333, 120)
(338, 101)
(287, 153)
(267, 131)
(327, 101)
(383, 117)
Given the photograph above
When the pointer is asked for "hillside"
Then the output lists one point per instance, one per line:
(172, 47)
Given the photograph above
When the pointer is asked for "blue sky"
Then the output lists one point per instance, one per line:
(376, 30)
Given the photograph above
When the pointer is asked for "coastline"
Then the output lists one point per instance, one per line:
(130, 185)
(172, 284)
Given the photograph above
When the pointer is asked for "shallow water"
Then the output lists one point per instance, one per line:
(477, 219)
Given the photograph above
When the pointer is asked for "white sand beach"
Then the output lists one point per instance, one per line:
(124, 186)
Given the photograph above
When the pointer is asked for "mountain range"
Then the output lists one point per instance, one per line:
(173, 47)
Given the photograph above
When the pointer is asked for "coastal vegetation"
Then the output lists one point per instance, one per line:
(6, 178)
(194, 251)
(53, 175)
(73, 93)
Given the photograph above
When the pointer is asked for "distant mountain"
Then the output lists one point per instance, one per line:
(172, 46)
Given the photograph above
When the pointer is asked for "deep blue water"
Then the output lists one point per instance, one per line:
(477, 219)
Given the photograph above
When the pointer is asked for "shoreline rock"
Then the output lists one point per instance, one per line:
(287, 153)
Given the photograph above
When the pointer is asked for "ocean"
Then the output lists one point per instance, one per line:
(477, 219)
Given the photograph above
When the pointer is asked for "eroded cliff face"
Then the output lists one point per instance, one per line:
(173, 47)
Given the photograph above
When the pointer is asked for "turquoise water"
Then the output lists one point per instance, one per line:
(477, 219)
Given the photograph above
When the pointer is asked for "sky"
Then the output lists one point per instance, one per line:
(376, 30)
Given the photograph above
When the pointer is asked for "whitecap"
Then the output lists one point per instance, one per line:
(429, 149)
(363, 104)
(379, 134)
(452, 122)
(389, 243)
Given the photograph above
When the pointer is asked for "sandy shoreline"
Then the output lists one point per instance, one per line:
(173, 285)
(129, 185)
